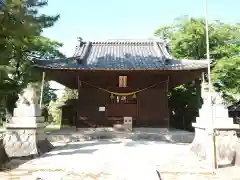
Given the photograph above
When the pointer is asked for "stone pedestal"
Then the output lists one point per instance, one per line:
(127, 123)
(126, 126)
(225, 134)
(25, 134)
(237, 161)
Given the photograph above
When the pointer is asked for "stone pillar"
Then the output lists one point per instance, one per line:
(213, 118)
(225, 133)
(25, 134)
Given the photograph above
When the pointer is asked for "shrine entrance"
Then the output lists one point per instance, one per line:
(121, 104)
(119, 107)
(121, 82)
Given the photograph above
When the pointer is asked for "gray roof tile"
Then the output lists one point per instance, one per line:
(121, 55)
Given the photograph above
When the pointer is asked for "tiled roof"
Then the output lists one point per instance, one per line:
(121, 55)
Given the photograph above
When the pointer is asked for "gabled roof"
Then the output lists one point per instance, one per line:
(122, 55)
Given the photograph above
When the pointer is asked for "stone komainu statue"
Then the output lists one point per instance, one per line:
(216, 98)
(30, 95)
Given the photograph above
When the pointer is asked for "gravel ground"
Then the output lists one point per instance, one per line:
(119, 159)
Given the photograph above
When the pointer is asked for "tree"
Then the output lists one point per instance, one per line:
(227, 73)
(21, 24)
(188, 38)
(21, 44)
(54, 106)
(48, 94)
(69, 94)
(188, 41)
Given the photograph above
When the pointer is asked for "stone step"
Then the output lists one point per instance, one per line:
(168, 137)
(220, 126)
(27, 111)
(216, 112)
(27, 120)
(217, 120)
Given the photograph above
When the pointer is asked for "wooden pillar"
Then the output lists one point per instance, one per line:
(167, 107)
(79, 83)
(79, 86)
(42, 87)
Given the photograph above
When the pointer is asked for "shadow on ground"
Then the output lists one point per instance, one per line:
(172, 139)
(91, 142)
(68, 149)
(79, 148)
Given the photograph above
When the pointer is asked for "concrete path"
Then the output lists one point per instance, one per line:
(119, 159)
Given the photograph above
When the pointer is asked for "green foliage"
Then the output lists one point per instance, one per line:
(188, 38)
(227, 72)
(69, 94)
(184, 102)
(55, 112)
(54, 106)
(21, 44)
(188, 41)
(48, 94)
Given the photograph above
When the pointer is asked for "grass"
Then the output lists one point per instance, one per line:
(52, 128)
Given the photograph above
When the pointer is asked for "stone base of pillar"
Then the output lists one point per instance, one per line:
(23, 140)
(226, 143)
(216, 119)
(237, 161)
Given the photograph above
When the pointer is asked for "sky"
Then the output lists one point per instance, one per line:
(114, 19)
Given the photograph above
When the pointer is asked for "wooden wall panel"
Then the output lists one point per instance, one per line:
(153, 109)
(89, 102)
(122, 110)
(134, 81)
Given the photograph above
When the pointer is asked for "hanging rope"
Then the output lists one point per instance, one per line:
(124, 94)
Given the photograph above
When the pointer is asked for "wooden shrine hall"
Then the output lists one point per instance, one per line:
(119, 79)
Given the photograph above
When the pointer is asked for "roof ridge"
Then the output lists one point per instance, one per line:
(134, 40)
(125, 41)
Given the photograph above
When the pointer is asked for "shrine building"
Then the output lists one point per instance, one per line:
(119, 79)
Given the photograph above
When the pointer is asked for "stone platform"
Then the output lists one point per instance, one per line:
(153, 134)
(121, 158)
(112, 158)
